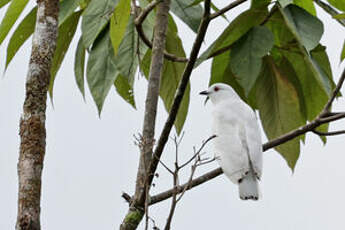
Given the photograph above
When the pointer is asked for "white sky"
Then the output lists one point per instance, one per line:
(90, 161)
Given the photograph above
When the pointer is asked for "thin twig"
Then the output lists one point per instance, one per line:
(334, 133)
(198, 152)
(329, 10)
(226, 9)
(334, 94)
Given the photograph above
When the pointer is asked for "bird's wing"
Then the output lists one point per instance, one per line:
(251, 139)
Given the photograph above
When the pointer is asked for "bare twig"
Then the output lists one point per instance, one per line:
(197, 162)
(138, 24)
(329, 10)
(334, 94)
(226, 9)
(334, 133)
(198, 152)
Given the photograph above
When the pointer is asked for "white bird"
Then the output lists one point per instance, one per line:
(238, 142)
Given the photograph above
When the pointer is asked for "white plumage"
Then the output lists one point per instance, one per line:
(238, 142)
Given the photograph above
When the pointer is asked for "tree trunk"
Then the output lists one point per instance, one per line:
(137, 209)
(32, 122)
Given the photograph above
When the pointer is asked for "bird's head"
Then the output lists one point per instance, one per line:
(218, 92)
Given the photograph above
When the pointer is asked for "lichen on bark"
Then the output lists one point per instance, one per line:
(32, 122)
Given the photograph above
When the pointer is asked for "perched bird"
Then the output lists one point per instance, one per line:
(238, 142)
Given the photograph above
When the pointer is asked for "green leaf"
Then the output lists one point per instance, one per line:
(259, 3)
(66, 33)
(221, 72)
(24, 30)
(130, 51)
(79, 66)
(246, 55)
(339, 16)
(96, 16)
(284, 3)
(308, 5)
(4, 2)
(124, 89)
(118, 23)
(237, 28)
(67, 8)
(191, 15)
(305, 27)
(339, 4)
(171, 75)
(101, 70)
(342, 56)
(279, 107)
(13, 12)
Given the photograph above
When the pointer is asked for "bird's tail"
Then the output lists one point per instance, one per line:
(249, 186)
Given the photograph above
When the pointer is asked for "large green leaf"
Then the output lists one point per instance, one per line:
(171, 75)
(308, 5)
(118, 23)
(101, 70)
(24, 30)
(191, 15)
(95, 18)
(4, 2)
(246, 55)
(237, 28)
(305, 27)
(79, 66)
(340, 4)
(342, 56)
(13, 12)
(278, 103)
(67, 8)
(66, 33)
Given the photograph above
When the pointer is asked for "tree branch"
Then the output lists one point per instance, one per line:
(138, 205)
(329, 10)
(32, 122)
(180, 91)
(226, 9)
(138, 25)
(329, 133)
(319, 120)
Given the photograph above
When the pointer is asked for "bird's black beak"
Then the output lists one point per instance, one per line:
(205, 93)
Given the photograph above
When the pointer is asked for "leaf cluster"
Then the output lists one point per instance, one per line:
(270, 54)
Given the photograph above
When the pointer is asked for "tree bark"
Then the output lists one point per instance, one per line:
(137, 208)
(32, 122)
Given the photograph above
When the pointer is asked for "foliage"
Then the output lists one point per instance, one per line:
(270, 54)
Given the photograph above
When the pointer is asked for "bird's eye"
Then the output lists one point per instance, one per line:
(216, 89)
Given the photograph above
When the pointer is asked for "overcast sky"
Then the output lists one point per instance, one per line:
(90, 161)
